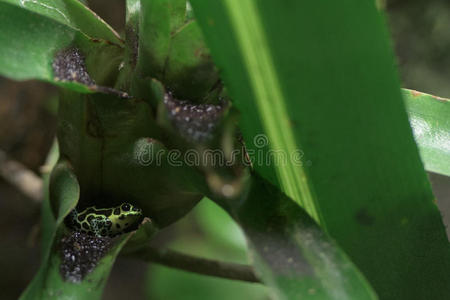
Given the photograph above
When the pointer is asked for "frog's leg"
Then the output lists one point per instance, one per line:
(100, 225)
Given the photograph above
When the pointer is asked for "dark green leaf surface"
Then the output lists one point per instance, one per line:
(291, 252)
(430, 120)
(318, 76)
(116, 150)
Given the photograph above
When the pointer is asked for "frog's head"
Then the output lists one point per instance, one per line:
(125, 218)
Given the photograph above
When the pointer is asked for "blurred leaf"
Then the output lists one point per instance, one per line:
(133, 9)
(30, 39)
(318, 77)
(172, 50)
(220, 228)
(161, 280)
(47, 219)
(429, 118)
(64, 190)
(291, 253)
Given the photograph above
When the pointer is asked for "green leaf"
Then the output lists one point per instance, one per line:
(217, 224)
(291, 252)
(218, 227)
(91, 287)
(49, 282)
(429, 118)
(29, 42)
(47, 218)
(258, 80)
(189, 69)
(104, 136)
(159, 18)
(318, 77)
(125, 78)
(172, 50)
(133, 9)
(71, 13)
(65, 191)
(190, 286)
(31, 38)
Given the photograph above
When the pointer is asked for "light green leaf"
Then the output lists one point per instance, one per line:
(31, 38)
(429, 118)
(73, 14)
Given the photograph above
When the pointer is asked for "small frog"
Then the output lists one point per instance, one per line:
(106, 221)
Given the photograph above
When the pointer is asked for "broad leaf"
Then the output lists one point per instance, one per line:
(172, 50)
(33, 35)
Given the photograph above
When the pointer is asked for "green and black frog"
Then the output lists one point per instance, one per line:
(102, 222)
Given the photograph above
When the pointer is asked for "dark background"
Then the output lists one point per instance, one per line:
(421, 35)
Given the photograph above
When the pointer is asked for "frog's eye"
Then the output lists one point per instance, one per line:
(126, 207)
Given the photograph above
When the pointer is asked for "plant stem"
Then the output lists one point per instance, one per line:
(23, 179)
(177, 260)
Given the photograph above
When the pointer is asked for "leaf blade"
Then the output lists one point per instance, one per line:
(31, 41)
(291, 253)
(71, 13)
(343, 100)
(428, 116)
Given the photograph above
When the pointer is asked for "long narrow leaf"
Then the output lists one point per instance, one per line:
(319, 77)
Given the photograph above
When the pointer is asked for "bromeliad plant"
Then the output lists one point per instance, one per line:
(288, 114)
